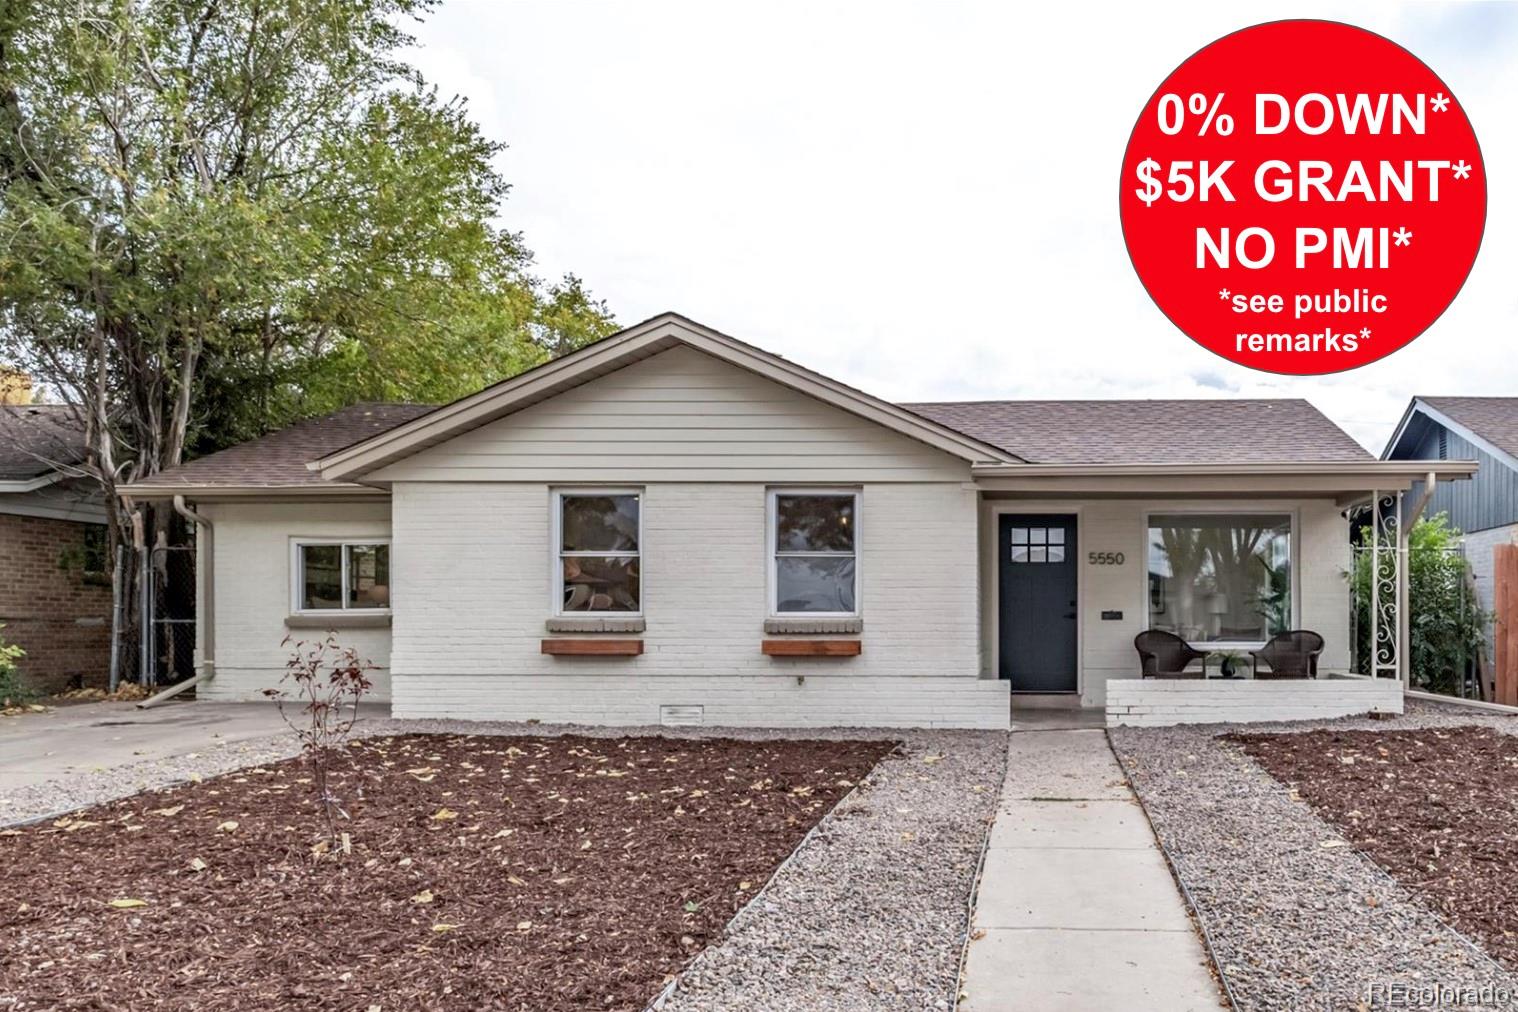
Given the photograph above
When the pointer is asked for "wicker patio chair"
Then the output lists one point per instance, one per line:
(1290, 655)
(1165, 655)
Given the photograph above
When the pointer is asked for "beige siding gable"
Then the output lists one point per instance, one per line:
(680, 415)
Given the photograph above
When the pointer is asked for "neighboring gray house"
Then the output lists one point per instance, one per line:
(673, 526)
(1483, 429)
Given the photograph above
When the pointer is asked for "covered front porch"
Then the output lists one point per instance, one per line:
(1079, 560)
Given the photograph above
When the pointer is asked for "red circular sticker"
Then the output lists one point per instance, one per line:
(1303, 197)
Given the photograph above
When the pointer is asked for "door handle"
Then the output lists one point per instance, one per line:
(1069, 614)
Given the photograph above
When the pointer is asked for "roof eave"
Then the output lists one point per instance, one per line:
(13, 486)
(1369, 467)
(1419, 405)
(203, 492)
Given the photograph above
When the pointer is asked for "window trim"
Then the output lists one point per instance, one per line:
(556, 553)
(771, 565)
(298, 575)
(1293, 546)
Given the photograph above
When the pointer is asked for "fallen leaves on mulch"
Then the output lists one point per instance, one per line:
(1436, 808)
(568, 873)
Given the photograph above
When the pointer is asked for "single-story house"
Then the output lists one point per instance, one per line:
(55, 595)
(1485, 509)
(671, 525)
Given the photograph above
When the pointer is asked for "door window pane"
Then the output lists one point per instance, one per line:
(1220, 578)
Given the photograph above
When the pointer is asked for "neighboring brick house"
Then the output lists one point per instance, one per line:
(55, 597)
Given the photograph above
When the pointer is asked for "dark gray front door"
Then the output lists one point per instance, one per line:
(1037, 572)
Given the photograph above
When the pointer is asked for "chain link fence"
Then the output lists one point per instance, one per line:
(154, 643)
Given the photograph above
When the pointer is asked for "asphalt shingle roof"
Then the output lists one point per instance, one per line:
(36, 439)
(1151, 432)
(279, 459)
(1494, 419)
(1054, 432)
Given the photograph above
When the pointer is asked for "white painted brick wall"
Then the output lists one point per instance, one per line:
(473, 589)
(728, 700)
(1159, 702)
(253, 590)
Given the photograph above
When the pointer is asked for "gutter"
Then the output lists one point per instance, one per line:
(23, 485)
(331, 490)
(205, 551)
(1415, 469)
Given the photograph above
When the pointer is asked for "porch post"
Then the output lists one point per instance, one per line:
(1388, 587)
(1404, 621)
(1404, 571)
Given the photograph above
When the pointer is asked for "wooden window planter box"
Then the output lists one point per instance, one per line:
(562, 647)
(811, 648)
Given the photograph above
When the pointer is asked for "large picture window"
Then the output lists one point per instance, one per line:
(599, 567)
(814, 552)
(1220, 578)
(342, 576)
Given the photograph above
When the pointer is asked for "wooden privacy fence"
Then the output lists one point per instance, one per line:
(1505, 621)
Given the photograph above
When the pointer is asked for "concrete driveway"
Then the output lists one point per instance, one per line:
(90, 737)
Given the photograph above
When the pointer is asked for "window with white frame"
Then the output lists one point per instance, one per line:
(1220, 577)
(814, 542)
(342, 576)
(599, 537)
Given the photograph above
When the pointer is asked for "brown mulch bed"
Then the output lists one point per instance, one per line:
(518, 873)
(1436, 808)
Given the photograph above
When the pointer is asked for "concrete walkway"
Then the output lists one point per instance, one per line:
(84, 737)
(1077, 909)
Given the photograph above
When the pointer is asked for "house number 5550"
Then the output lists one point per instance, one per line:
(1105, 558)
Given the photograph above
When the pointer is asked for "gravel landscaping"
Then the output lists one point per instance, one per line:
(1437, 808)
(868, 914)
(1297, 916)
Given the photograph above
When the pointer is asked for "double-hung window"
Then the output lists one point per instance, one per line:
(598, 543)
(813, 549)
(342, 576)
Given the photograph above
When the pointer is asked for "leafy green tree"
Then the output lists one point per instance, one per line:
(1446, 622)
(219, 216)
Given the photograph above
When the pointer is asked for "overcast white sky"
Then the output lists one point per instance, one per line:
(920, 199)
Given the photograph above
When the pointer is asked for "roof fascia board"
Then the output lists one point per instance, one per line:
(1419, 406)
(1447, 469)
(326, 490)
(1401, 429)
(549, 379)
